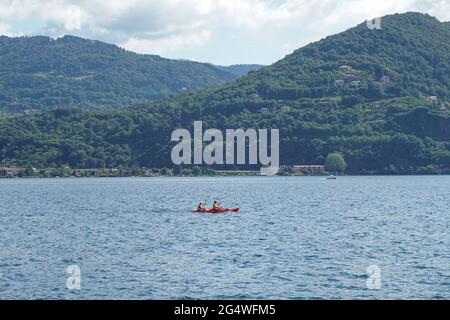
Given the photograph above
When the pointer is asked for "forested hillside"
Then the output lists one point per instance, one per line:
(379, 97)
(40, 72)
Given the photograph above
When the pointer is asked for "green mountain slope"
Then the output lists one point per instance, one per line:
(377, 111)
(39, 72)
(412, 49)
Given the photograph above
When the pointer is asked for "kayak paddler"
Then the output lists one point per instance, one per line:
(201, 206)
(216, 206)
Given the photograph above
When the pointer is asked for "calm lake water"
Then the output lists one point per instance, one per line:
(295, 238)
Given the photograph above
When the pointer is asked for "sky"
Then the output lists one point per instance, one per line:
(223, 32)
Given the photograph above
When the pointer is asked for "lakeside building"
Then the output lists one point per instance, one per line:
(308, 169)
(95, 172)
(10, 172)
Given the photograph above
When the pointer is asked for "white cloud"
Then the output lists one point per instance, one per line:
(167, 44)
(16, 10)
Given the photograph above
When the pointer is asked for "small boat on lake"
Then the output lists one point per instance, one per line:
(217, 211)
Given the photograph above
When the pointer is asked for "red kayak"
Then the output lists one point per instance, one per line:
(218, 211)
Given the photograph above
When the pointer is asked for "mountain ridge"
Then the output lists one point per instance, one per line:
(240, 69)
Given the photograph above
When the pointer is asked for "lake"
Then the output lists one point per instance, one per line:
(294, 238)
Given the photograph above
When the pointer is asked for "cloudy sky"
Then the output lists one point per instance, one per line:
(218, 31)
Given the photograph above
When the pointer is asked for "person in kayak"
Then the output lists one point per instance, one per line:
(201, 207)
(216, 206)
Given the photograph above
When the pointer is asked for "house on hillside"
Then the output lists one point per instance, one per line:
(384, 80)
(345, 68)
(326, 105)
(349, 78)
(442, 107)
(432, 99)
(339, 83)
(285, 109)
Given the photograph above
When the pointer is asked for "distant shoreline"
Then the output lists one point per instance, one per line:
(292, 171)
(221, 176)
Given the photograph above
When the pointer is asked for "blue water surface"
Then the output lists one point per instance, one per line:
(294, 238)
